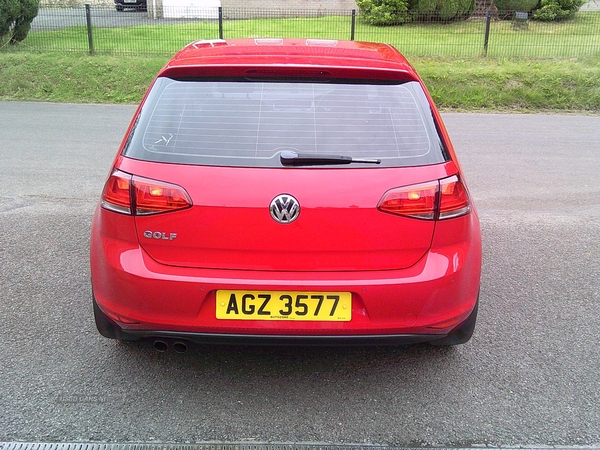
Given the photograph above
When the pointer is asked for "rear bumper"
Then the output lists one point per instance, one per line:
(426, 301)
(178, 340)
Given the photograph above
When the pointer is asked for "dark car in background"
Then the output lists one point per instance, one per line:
(139, 5)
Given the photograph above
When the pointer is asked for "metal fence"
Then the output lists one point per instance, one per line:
(104, 30)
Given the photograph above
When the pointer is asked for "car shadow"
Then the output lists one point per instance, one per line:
(232, 361)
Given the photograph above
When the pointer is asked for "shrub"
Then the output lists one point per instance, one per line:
(395, 12)
(507, 8)
(557, 9)
(15, 19)
(441, 10)
(383, 12)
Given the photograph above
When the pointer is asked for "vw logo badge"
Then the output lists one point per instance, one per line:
(284, 208)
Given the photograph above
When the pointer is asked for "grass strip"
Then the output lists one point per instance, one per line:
(470, 84)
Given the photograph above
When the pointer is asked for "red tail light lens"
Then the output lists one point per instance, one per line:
(416, 201)
(153, 197)
(454, 200)
(122, 191)
(117, 193)
(442, 199)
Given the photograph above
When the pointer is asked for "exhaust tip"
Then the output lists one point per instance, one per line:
(180, 347)
(161, 346)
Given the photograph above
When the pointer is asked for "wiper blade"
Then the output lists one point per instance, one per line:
(289, 158)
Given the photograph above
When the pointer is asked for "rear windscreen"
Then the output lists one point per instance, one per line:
(247, 123)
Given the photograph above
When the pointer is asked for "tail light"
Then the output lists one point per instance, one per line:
(128, 194)
(117, 193)
(441, 199)
(152, 197)
(454, 200)
(418, 201)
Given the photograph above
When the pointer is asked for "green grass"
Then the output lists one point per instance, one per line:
(579, 37)
(547, 67)
(513, 85)
(76, 78)
(466, 84)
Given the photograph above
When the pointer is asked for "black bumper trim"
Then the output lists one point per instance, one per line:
(286, 340)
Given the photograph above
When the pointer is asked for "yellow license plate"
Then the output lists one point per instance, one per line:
(284, 305)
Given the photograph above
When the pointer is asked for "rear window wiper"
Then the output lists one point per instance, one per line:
(289, 158)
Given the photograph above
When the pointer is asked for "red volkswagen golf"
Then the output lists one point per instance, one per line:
(286, 191)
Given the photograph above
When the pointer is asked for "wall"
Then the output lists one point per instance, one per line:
(346, 5)
(190, 9)
(245, 9)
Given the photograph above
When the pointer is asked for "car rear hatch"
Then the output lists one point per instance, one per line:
(338, 228)
(223, 142)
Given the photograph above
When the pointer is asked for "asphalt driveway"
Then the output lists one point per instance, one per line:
(529, 377)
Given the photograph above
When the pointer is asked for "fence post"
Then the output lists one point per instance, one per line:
(220, 22)
(353, 24)
(488, 20)
(88, 19)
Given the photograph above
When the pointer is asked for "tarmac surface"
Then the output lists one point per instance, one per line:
(528, 378)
